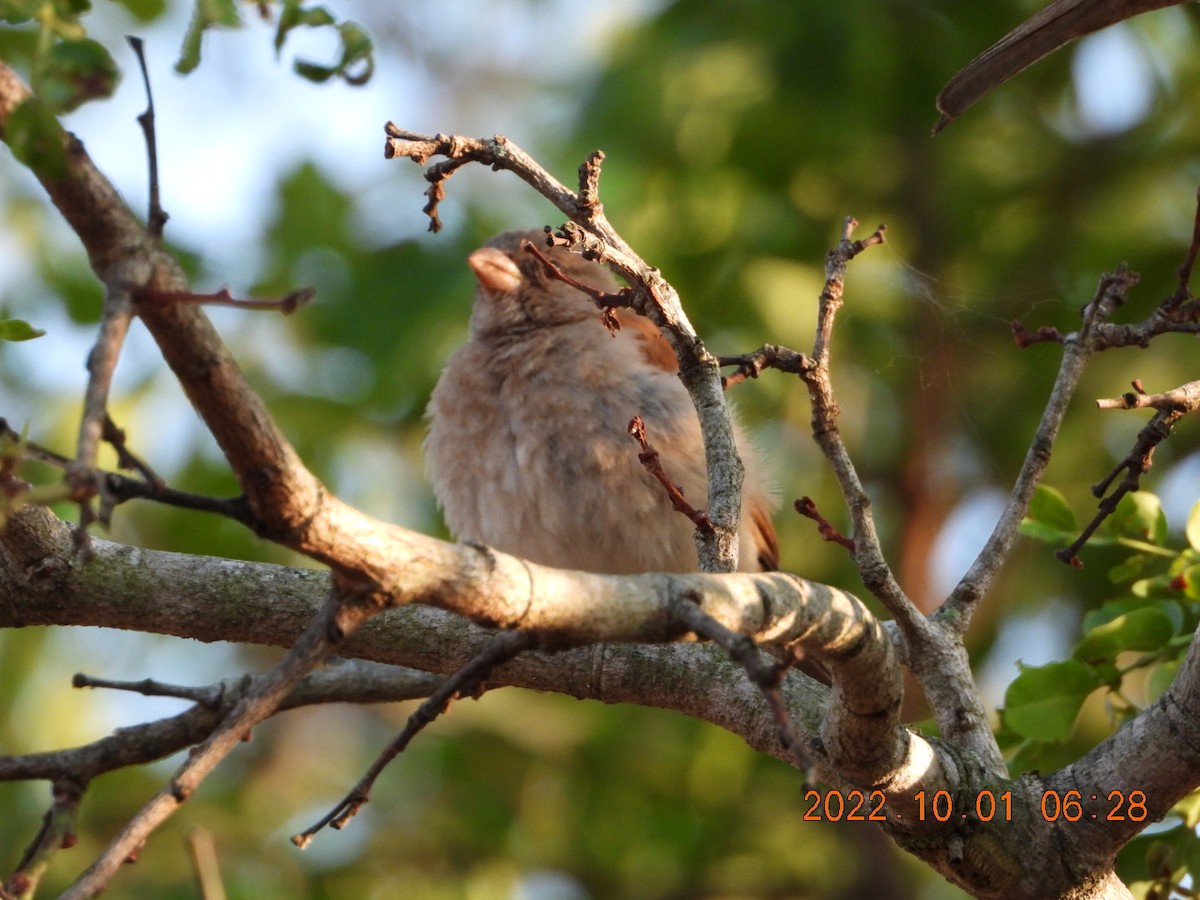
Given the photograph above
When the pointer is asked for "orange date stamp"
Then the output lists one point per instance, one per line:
(1115, 806)
(986, 806)
(871, 806)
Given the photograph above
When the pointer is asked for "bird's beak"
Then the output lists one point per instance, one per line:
(495, 272)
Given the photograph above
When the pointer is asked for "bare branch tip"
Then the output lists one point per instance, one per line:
(649, 458)
(589, 180)
(807, 507)
(1045, 334)
(637, 428)
(286, 304)
(1069, 557)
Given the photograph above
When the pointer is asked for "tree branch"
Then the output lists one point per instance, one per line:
(862, 739)
(349, 681)
(1171, 406)
(1078, 348)
(341, 614)
(467, 681)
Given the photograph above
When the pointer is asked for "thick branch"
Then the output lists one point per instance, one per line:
(212, 599)
(215, 599)
(863, 741)
(284, 496)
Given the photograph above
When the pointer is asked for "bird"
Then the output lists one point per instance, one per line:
(528, 447)
(1052, 27)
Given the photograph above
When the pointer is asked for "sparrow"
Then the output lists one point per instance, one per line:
(528, 446)
(1059, 23)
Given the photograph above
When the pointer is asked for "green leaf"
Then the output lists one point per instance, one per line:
(294, 15)
(37, 139)
(1181, 578)
(1107, 674)
(144, 10)
(59, 16)
(1129, 569)
(357, 50)
(1189, 809)
(1175, 611)
(1139, 515)
(1043, 701)
(1043, 533)
(1153, 856)
(17, 330)
(1147, 628)
(312, 71)
(1193, 527)
(14, 12)
(357, 55)
(207, 14)
(1050, 519)
(357, 62)
(1160, 678)
(1187, 580)
(76, 285)
(73, 72)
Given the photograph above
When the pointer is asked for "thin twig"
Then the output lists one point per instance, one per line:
(356, 681)
(341, 615)
(766, 676)
(608, 302)
(101, 364)
(205, 695)
(1171, 406)
(57, 832)
(287, 304)
(203, 851)
(652, 462)
(1185, 397)
(1183, 293)
(830, 300)
(1044, 334)
(117, 488)
(948, 684)
(157, 216)
(807, 507)
(768, 356)
(1176, 313)
(868, 552)
(125, 457)
(467, 681)
(1135, 464)
(1078, 348)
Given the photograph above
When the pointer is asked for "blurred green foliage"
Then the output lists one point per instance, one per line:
(738, 135)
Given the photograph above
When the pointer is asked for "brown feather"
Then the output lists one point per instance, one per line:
(765, 538)
(654, 347)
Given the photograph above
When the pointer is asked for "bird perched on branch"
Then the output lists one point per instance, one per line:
(1059, 23)
(529, 448)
